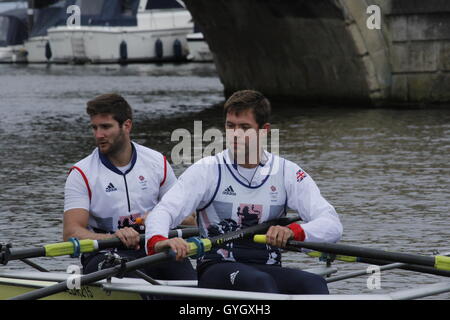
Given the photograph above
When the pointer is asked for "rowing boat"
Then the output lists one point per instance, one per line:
(108, 284)
(14, 283)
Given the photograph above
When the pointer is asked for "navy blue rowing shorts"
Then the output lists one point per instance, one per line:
(261, 278)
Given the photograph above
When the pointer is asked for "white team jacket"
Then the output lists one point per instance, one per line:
(115, 199)
(197, 187)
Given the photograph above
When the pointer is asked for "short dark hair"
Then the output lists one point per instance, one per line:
(110, 103)
(249, 100)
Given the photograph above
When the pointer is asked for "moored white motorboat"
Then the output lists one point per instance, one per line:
(159, 35)
(71, 44)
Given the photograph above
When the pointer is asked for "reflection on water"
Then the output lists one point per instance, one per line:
(386, 171)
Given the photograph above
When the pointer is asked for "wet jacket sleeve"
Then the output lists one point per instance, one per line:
(193, 190)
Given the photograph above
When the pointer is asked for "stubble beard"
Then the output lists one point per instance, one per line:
(116, 146)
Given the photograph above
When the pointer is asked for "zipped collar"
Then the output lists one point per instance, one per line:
(266, 157)
(265, 164)
(104, 159)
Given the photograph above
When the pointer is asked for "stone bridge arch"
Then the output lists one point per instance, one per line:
(322, 50)
(303, 50)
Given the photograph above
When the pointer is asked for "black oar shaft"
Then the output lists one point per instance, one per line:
(380, 262)
(242, 233)
(25, 253)
(365, 252)
(146, 277)
(34, 265)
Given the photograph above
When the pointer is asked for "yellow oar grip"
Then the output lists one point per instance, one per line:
(317, 254)
(442, 263)
(259, 238)
(67, 248)
(314, 254)
(346, 258)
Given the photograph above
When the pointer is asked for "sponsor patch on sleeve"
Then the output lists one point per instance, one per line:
(301, 175)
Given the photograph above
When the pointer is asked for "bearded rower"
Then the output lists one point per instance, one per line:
(110, 190)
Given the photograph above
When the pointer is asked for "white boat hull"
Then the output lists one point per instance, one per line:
(13, 283)
(36, 49)
(13, 54)
(103, 44)
(198, 48)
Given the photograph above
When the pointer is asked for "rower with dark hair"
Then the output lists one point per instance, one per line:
(117, 183)
(240, 187)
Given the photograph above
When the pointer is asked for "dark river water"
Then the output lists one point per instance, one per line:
(386, 171)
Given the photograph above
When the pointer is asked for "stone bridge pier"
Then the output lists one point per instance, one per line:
(323, 51)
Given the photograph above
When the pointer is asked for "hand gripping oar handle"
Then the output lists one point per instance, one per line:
(116, 243)
(198, 248)
(251, 231)
(154, 259)
(79, 246)
(437, 262)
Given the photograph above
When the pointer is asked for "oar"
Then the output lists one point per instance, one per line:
(409, 267)
(78, 246)
(197, 247)
(34, 265)
(387, 264)
(437, 262)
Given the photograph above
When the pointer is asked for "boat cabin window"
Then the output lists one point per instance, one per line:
(126, 7)
(162, 4)
(4, 25)
(90, 7)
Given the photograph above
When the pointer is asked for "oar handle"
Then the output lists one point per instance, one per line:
(81, 246)
(259, 238)
(252, 231)
(116, 243)
(442, 263)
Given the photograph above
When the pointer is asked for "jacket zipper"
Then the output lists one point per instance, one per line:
(126, 189)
